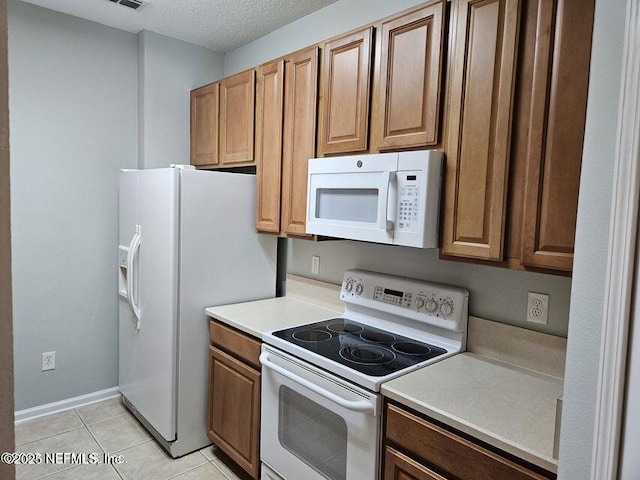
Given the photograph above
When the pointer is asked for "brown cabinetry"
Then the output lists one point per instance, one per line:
(481, 83)
(205, 107)
(346, 79)
(285, 141)
(269, 114)
(237, 104)
(515, 130)
(416, 448)
(233, 420)
(555, 130)
(410, 74)
(299, 141)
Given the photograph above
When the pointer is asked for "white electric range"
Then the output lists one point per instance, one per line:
(321, 413)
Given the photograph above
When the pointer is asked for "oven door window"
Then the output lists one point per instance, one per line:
(312, 433)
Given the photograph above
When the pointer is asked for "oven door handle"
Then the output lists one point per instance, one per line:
(354, 405)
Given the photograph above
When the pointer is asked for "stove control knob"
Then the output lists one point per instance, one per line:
(419, 302)
(359, 289)
(432, 305)
(348, 286)
(446, 308)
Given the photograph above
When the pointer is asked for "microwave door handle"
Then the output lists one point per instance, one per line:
(356, 406)
(389, 178)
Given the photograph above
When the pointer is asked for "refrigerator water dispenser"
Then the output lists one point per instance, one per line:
(123, 253)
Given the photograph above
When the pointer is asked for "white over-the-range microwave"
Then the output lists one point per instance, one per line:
(391, 198)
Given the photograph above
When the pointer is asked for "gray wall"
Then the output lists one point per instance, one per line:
(495, 293)
(168, 70)
(590, 267)
(75, 88)
(6, 325)
(72, 91)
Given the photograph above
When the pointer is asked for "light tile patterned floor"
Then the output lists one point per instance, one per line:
(107, 427)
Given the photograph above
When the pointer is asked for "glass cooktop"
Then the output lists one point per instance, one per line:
(363, 348)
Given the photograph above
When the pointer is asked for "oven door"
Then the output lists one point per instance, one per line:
(314, 425)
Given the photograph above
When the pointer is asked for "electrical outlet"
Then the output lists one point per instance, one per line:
(48, 361)
(538, 308)
(315, 264)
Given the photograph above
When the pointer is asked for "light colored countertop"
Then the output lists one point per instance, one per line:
(255, 318)
(506, 406)
(478, 392)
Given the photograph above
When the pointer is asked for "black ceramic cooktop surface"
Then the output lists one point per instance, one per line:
(363, 348)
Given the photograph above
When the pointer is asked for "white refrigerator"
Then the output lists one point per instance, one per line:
(187, 241)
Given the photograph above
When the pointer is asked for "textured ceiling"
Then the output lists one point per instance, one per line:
(221, 25)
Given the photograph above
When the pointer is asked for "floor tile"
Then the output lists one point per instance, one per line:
(75, 441)
(205, 472)
(209, 452)
(218, 458)
(47, 426)
(87, 472)
(97, 412)
(119, 433)
(150, 462)
(229, 467)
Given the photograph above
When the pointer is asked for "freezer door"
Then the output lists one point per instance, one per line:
(148, 353)
(223, 260)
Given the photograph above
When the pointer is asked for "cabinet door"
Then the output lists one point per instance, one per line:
(269, 111)
(234, 409)
(237, 105)
(556, 132)
(346, 78)
(481, 82)
(410, 77)
(301, 98)
(204, 125)
(400, 467)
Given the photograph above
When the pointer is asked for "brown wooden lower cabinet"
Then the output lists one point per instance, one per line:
(398, 466)
(416, 448)
(233, 420)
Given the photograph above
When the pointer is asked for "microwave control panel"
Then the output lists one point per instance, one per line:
(409, 201)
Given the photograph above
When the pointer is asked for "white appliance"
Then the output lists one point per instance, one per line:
(388, 198)
(187, 241)
(321, 410)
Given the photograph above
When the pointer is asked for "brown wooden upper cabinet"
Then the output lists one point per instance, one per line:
(410, 78)
(285, 141)
(346, 79)
(237, 105)
(555, 126)
(515, 130)
(205, 103)
(269, 113)
(300, 103)
(481, 85)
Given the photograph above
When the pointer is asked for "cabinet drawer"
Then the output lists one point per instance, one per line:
(447, 452)
(236, 343)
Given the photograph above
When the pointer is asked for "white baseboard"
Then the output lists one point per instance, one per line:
(68, 404)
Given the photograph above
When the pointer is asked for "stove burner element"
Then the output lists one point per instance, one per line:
(410, 348)
(377, 337)
(342, 327)
(312, 336)
(365, 354)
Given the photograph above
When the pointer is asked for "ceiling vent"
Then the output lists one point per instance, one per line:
(133, 4)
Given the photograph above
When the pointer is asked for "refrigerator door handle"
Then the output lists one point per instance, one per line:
(134, 249)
